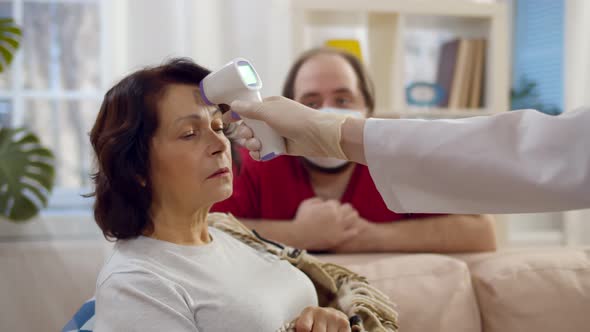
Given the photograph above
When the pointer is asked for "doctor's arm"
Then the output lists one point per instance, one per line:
(513, 162)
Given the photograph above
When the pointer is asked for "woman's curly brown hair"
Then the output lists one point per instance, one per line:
(121, 138)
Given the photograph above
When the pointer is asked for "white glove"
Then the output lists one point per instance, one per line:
(307, 132)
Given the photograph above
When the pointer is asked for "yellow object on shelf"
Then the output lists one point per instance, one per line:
(349, 45)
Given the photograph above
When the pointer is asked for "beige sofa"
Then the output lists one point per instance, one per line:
(43, 283)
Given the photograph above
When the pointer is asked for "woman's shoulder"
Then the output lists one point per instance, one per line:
(127, 259)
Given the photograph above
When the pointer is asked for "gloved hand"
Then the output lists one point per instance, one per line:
(307, 132)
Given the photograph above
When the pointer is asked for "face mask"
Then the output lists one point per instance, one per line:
(327, 163)
(332, 165)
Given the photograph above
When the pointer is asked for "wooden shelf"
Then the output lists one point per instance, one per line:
(421, 7)
(381, 25)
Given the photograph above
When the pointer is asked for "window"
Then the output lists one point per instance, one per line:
(56, 84)
(538, 53)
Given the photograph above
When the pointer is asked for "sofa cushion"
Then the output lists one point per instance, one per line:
(533, 290)
(432, 292)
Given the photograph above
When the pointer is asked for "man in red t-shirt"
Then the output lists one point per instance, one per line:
(333, 205)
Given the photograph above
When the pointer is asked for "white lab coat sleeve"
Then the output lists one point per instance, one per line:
(514, 162)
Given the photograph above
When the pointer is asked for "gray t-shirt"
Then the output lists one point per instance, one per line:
(152, 285)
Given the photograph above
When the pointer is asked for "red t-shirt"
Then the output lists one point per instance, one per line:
(274, 190)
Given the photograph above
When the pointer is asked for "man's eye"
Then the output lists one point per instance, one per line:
(312, 105)
(342, 101)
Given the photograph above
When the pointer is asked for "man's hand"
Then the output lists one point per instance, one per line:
(318, 319)
(322, 225)
(365, 241)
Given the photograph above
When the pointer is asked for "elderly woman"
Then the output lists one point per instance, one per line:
(162, 161)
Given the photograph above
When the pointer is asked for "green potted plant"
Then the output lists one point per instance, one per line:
(27, 170)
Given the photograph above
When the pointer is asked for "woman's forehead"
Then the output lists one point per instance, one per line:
(181, 100)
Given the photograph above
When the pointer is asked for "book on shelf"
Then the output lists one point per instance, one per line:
(475, 97)
(446, 68)
(463, 75)
(461, 72)
(352, 46)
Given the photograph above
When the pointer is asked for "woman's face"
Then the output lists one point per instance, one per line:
(190, 161)
(328, 80)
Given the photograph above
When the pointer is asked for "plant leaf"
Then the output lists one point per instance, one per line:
(11, 29)
(27, 174)
(10, 35)
(14, 43)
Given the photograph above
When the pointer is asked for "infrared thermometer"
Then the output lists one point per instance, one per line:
(238, 80)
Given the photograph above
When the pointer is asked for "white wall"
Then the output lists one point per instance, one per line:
(155, 30)
(577, 88)
(577, 54)
(144, 32)
(258, 30)
(212, 32)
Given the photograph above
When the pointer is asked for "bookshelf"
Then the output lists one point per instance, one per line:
(382, 28)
